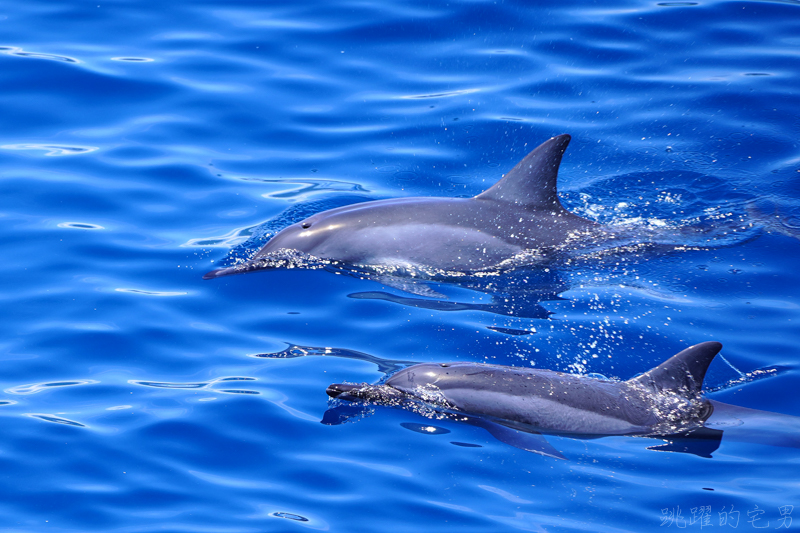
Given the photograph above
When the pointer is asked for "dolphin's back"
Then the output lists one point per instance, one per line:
(453, 234)
(541, 399)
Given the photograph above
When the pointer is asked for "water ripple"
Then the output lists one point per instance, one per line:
(196, 384)
(133, 59)
(80, 225)
(40, 387)
(14, 51)
(56, 420)
(385, 468)
(290, 516)
(448, 94)
(230, 239)
(52, 150)
(152, 293)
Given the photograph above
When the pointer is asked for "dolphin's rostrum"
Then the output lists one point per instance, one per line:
(519, 213)
(665, 402)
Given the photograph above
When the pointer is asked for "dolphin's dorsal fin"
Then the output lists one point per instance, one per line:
(685, 370)
(532, 183)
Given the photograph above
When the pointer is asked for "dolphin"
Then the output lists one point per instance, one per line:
(516, 405)
(519, 213)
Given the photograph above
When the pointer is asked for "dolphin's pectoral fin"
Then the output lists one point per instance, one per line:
(530, 442)
(436, 305)
(701, 442)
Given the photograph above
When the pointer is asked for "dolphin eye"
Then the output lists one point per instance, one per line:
(306, 225)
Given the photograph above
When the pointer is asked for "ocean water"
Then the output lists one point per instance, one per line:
(143, 144)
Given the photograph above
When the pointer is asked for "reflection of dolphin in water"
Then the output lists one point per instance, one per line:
(519, 213)
(515, 404)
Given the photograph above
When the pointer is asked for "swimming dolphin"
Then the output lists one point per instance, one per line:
(516, 404)
(521, 212)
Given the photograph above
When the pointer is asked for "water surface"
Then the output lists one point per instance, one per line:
(143, 145)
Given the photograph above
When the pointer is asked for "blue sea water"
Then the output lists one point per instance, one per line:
(143, 144)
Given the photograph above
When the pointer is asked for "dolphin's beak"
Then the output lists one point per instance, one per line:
(273, 260)
(250, 266)
(337, 389)
(382, 394)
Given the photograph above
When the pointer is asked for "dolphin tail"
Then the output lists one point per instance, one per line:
(685, 370)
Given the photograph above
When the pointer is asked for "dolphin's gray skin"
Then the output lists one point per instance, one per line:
(520, 212)
(665, 402)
